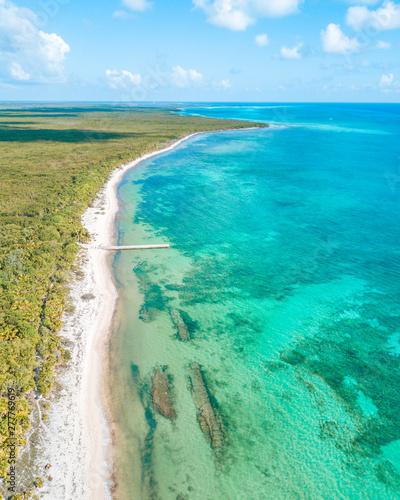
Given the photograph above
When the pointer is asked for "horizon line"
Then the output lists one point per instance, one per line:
(138, 103)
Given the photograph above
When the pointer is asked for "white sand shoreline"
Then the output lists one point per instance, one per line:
(76, 440)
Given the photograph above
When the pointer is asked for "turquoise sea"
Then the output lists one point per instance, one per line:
(284, 268)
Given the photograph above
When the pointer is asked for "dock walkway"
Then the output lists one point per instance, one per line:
(132, 247)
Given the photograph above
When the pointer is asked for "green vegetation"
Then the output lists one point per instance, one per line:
(53, 161)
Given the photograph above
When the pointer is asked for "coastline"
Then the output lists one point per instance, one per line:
(77, 436)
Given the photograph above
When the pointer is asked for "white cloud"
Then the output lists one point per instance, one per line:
(53, 49)
(386, 17)
(261, 40)
(26, 52)
(122, 14)
(224, 84)
(123, 80)
(18, 73)
(275, 8)
(383, 45)
(386, 80)
(231, 14)
(185, 77)
(139, 5)
(293, 53)
(336, 42)
(387, 84)
(179, 77)
(239, 14)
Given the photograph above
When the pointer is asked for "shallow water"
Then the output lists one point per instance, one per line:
(284, 266)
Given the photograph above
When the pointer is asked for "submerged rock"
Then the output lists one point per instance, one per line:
(205, 413)
(180, 324)
(161, 394)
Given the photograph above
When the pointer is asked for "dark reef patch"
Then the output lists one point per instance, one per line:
(205, 413)
(161, 393)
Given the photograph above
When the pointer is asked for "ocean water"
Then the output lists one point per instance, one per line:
(285, 269)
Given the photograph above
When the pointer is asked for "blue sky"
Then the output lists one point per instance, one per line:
(200, 50)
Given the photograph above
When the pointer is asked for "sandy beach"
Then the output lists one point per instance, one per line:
(76, 437)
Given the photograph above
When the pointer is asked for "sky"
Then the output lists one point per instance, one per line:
(200, 50)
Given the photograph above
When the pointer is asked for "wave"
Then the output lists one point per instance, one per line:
(333, 128)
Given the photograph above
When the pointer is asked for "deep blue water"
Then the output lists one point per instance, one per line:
(285, 269)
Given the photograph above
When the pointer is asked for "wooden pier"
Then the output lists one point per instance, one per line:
(133, 247)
